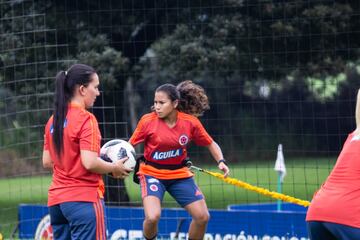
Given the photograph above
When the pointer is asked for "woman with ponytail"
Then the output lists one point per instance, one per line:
(166, 134)
(71, 148)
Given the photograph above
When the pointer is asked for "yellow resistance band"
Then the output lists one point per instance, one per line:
(259, 190)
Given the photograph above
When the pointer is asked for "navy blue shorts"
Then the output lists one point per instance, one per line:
(78, 220)
(331, 231)
(183, 190)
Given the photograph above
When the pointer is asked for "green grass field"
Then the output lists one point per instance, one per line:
(302, 179)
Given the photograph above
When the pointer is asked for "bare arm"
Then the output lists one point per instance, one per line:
(357, 110)
(93, 163)
(217, 154)
(46, 160)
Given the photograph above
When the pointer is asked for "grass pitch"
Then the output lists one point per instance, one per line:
(304, 176)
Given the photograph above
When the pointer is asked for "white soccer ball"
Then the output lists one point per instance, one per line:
(116, 149)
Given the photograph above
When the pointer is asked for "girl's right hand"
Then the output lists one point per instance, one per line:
(120, 171)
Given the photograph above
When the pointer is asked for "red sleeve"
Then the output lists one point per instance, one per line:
(89, 135)
(200, 135)
(139, 134)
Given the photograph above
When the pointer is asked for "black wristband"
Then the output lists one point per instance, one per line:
(222, 161)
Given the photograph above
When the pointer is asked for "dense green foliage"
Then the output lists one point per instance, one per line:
(275, 72)
(274, 59)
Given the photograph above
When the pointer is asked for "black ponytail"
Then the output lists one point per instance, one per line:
(66, 81)
(61, 99)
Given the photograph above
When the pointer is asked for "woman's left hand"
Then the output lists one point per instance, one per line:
(223, 167)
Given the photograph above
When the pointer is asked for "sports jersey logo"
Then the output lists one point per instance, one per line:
(169, 154)
(52, 126)
(183, 139)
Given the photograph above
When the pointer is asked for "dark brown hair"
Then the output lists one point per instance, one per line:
(66, 81)
(192, 97)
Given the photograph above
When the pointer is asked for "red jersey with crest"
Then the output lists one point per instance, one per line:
(165, 145)
(71, 182)
(338, 199)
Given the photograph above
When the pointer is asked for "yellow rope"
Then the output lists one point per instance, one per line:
(260, 190)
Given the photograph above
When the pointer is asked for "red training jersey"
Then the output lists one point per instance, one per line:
(337, 201)
(165, 145)
(71, 182)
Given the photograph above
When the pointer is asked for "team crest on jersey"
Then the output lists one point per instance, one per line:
(168, 154)
(183, 139)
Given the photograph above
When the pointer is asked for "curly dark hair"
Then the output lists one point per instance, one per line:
(193, 99)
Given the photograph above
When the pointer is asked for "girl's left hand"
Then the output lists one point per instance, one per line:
(223, 167)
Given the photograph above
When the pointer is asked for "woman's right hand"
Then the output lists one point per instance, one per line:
(120, 171)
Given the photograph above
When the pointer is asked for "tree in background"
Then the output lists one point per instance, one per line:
(265, 56)
(271, 55)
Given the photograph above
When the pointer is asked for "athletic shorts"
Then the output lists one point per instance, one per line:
(78, 220)
(332, 231)
(183, 190)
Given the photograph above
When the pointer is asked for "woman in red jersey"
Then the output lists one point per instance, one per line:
(71, 148)
(334, 212)
(166, 133)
